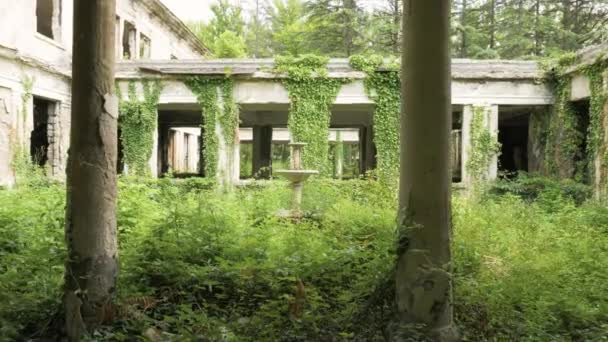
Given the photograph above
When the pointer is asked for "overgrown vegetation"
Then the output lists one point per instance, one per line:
(137, 121)
(572, 149)
(196, 264)
(311, 94)
(484, 145)
(382, 85)
(215, 96)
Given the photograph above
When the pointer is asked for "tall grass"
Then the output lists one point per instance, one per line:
(197, 264)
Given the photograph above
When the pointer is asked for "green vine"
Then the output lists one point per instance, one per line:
(28, 84)
(311, 93)
(383, 86)
(215, 96)
(564, 134)
(598, 104)
(483, 146)
(138, 119)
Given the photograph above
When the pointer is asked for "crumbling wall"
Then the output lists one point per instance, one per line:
(7, 135)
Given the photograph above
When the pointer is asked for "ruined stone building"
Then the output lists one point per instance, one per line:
(508, 116)
(35, 68)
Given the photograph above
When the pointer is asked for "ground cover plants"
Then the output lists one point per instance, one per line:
(198, 264)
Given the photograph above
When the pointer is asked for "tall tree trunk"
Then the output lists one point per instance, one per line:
(92, 265)
(492, 28)
(537, 30)
(463, 23)
(423, 275)
(396, 26)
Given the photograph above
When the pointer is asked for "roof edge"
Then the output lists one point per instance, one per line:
(159, 9)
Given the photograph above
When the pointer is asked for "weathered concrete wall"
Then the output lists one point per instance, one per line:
(17, 119)
(489, 123)
(269, 92)
(166, 38)
(27, 54)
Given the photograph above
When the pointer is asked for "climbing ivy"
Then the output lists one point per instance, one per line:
(28, 84)
(483, 145)
(311, 93)
(215, 96)
(564, 133)
(137, 122)
(382, 85)
(598, 107)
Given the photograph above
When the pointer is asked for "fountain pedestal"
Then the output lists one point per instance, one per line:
(296, 176)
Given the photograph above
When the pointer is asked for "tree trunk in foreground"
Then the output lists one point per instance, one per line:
(90, 232)
(423, 276)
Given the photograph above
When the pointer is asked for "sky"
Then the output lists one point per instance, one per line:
(195, 10)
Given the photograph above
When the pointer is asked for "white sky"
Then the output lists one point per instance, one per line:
(191, 10)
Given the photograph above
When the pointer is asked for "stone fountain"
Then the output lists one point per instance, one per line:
(296, 176)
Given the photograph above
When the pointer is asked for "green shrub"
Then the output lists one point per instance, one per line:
(200, 264)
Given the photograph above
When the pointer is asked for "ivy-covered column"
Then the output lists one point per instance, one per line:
(598, 130)
(220, 127)
(311, 93)
(480, 147)
(138, 122)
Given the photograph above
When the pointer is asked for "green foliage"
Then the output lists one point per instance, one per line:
(32, 253)
(311, 93)
(532, 188)
(336, 27)
(215, 96)
(483, 145)
(229, 45)
(598, 111)
(290, 30)
(565, 133)
(529, 271)
(196, 264)
(28, 84)
(138, 120)
(226, 18)
(383, 86)
(525, 28)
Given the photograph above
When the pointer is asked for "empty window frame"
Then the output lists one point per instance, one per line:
(128, 40)
(48, 18)
(145, 46)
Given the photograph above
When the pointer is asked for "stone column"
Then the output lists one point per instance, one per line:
(339, 156)
(153, 162)
(262, 146)
(490, 117)
(368, 150)
(119, 35)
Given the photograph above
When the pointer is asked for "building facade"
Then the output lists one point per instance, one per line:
(35, 70)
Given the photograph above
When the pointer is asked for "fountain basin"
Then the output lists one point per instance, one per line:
(296, 176)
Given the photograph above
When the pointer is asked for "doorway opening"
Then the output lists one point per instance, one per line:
(513, 128)
(180, 143)
(39, 137)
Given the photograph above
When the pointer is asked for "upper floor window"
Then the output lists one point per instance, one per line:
(128, 41)
(48, 18)
(145, 46)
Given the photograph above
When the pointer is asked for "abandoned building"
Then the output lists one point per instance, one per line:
(35, 68)
(510, 106)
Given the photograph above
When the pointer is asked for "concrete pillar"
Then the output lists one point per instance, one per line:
(339, 156)
(367, 148)
(490, 116)
(153, 162)
(262, 146)
(120, 22)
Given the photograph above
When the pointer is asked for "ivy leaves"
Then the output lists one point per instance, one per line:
(215, 96)
(383, 86)
(311, 94)
(137, 124)
(483, 145)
